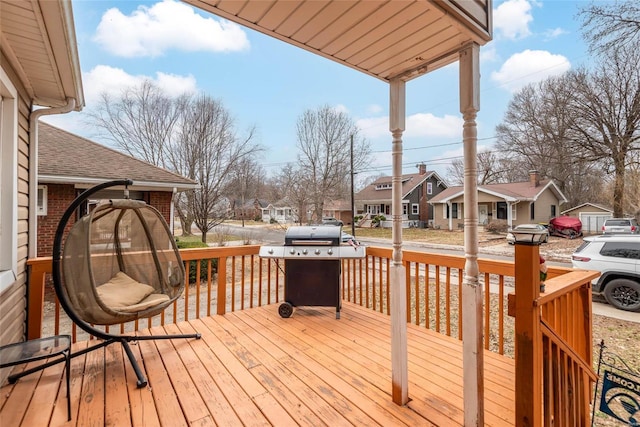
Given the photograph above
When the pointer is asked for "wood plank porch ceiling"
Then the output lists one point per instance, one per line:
(382, 38)
(254, 368)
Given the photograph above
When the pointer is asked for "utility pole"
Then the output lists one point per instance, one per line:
(353, 202)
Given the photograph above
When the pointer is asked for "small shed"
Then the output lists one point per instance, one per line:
(591, 215)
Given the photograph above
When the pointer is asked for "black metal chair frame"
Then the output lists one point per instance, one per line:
(107, 338)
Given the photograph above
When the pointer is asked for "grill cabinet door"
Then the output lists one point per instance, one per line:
(312, 282)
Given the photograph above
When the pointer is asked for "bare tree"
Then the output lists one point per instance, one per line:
(141, 122)
(246, 180)
(325, 161)
(607, 26)
(538, 133)
(191, 135)
(491, 169)
(606, 115)
(209, 150)
(294, 183)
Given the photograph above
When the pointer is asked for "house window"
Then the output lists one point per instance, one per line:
(501, 210)
(553, 211)
(373, 209)
(532, 213)
(8, 182)
(429, 187)
(454, 211)
(514, 212)
(405, 208)
(42, 200)
(415, 209)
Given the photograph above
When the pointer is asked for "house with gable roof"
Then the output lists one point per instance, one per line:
(417, 190)
(532, 201)
(69, 164)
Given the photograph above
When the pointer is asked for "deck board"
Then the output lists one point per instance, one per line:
(254, 368)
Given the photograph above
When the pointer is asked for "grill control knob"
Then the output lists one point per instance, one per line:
(292, 251)
(304, 252)
(270, 251)
(330, 251)
(317, 251)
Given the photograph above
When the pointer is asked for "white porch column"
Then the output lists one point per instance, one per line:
(473, 369)
(399, 365)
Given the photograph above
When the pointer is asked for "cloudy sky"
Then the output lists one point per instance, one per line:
(269, 84)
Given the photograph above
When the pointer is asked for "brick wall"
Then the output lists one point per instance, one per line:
(59, 196)
(161, 200)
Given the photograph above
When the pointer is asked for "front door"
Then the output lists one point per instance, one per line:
(483, 214)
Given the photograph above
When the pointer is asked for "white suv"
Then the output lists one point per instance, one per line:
(617, 257)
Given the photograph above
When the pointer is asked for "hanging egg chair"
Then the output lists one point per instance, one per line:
(118, 263)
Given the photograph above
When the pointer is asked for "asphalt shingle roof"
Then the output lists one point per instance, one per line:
(516, 190)
(409, 182)
(66, 155)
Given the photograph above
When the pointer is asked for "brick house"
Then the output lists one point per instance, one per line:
(69, 164)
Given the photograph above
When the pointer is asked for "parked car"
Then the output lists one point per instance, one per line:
(617, 257)
(329, 220)
(511, 239)
(346, 237)
(620, 226)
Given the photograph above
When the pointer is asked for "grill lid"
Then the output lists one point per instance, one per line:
(321, 235)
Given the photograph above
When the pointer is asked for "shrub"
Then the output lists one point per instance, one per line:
(497, 226)
(376, 220)
(182, 244)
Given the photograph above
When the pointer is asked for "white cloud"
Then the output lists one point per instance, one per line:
(113, 80)
(428, 125)
(417, 125)
(529, 66)
(554, 33)
(489, 53)
(374, 109)
(150, 31)
(340, 108)
(512, 18)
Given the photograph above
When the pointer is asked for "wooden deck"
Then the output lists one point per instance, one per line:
(254, 368)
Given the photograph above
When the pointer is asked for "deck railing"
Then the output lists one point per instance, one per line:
(565, 325)
(235, 278)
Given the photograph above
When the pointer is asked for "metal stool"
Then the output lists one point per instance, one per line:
(57, 348)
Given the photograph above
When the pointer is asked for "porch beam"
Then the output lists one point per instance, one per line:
(472, 334)
(399, 364)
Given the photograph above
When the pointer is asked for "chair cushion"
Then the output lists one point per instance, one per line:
(122, 291)
(150, 301)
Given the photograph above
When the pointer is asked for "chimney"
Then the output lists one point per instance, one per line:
(534, 178)
(422, 168)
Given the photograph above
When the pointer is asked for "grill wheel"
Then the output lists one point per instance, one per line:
(285, 310)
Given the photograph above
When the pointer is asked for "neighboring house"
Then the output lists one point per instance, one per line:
(591, 215)
(39, 66)
(280, 212)
(533, 201)
(417, 190)
(339, 209)
(69, 164)
(249, 210)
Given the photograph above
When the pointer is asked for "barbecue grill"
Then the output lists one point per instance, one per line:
(312, 259)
